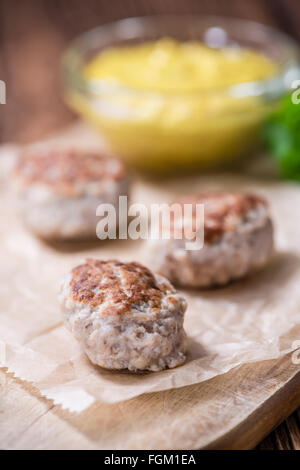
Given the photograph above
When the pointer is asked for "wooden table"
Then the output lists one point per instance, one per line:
(33, 34)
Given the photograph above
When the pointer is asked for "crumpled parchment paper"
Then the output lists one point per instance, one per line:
(251, 320)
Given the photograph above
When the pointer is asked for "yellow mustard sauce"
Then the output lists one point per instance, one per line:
(166, 103)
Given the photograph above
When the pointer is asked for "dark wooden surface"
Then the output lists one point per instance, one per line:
(33, 34)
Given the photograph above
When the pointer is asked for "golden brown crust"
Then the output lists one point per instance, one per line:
(121, 285)
(62, 169)
(223, 211)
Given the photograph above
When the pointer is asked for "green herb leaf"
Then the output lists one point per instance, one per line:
(281, 136)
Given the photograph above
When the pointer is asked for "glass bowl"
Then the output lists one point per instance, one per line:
(166, 131)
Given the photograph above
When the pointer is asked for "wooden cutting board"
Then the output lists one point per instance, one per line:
(233, 411)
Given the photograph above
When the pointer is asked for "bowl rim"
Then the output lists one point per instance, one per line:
(273, 86)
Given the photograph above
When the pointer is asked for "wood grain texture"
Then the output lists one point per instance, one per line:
(32, 37)
(233, 411)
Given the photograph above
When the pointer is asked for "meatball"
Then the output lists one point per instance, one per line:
(238, 239)
(59, 190)
(124, 316)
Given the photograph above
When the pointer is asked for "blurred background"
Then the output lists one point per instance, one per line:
(33, 35)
